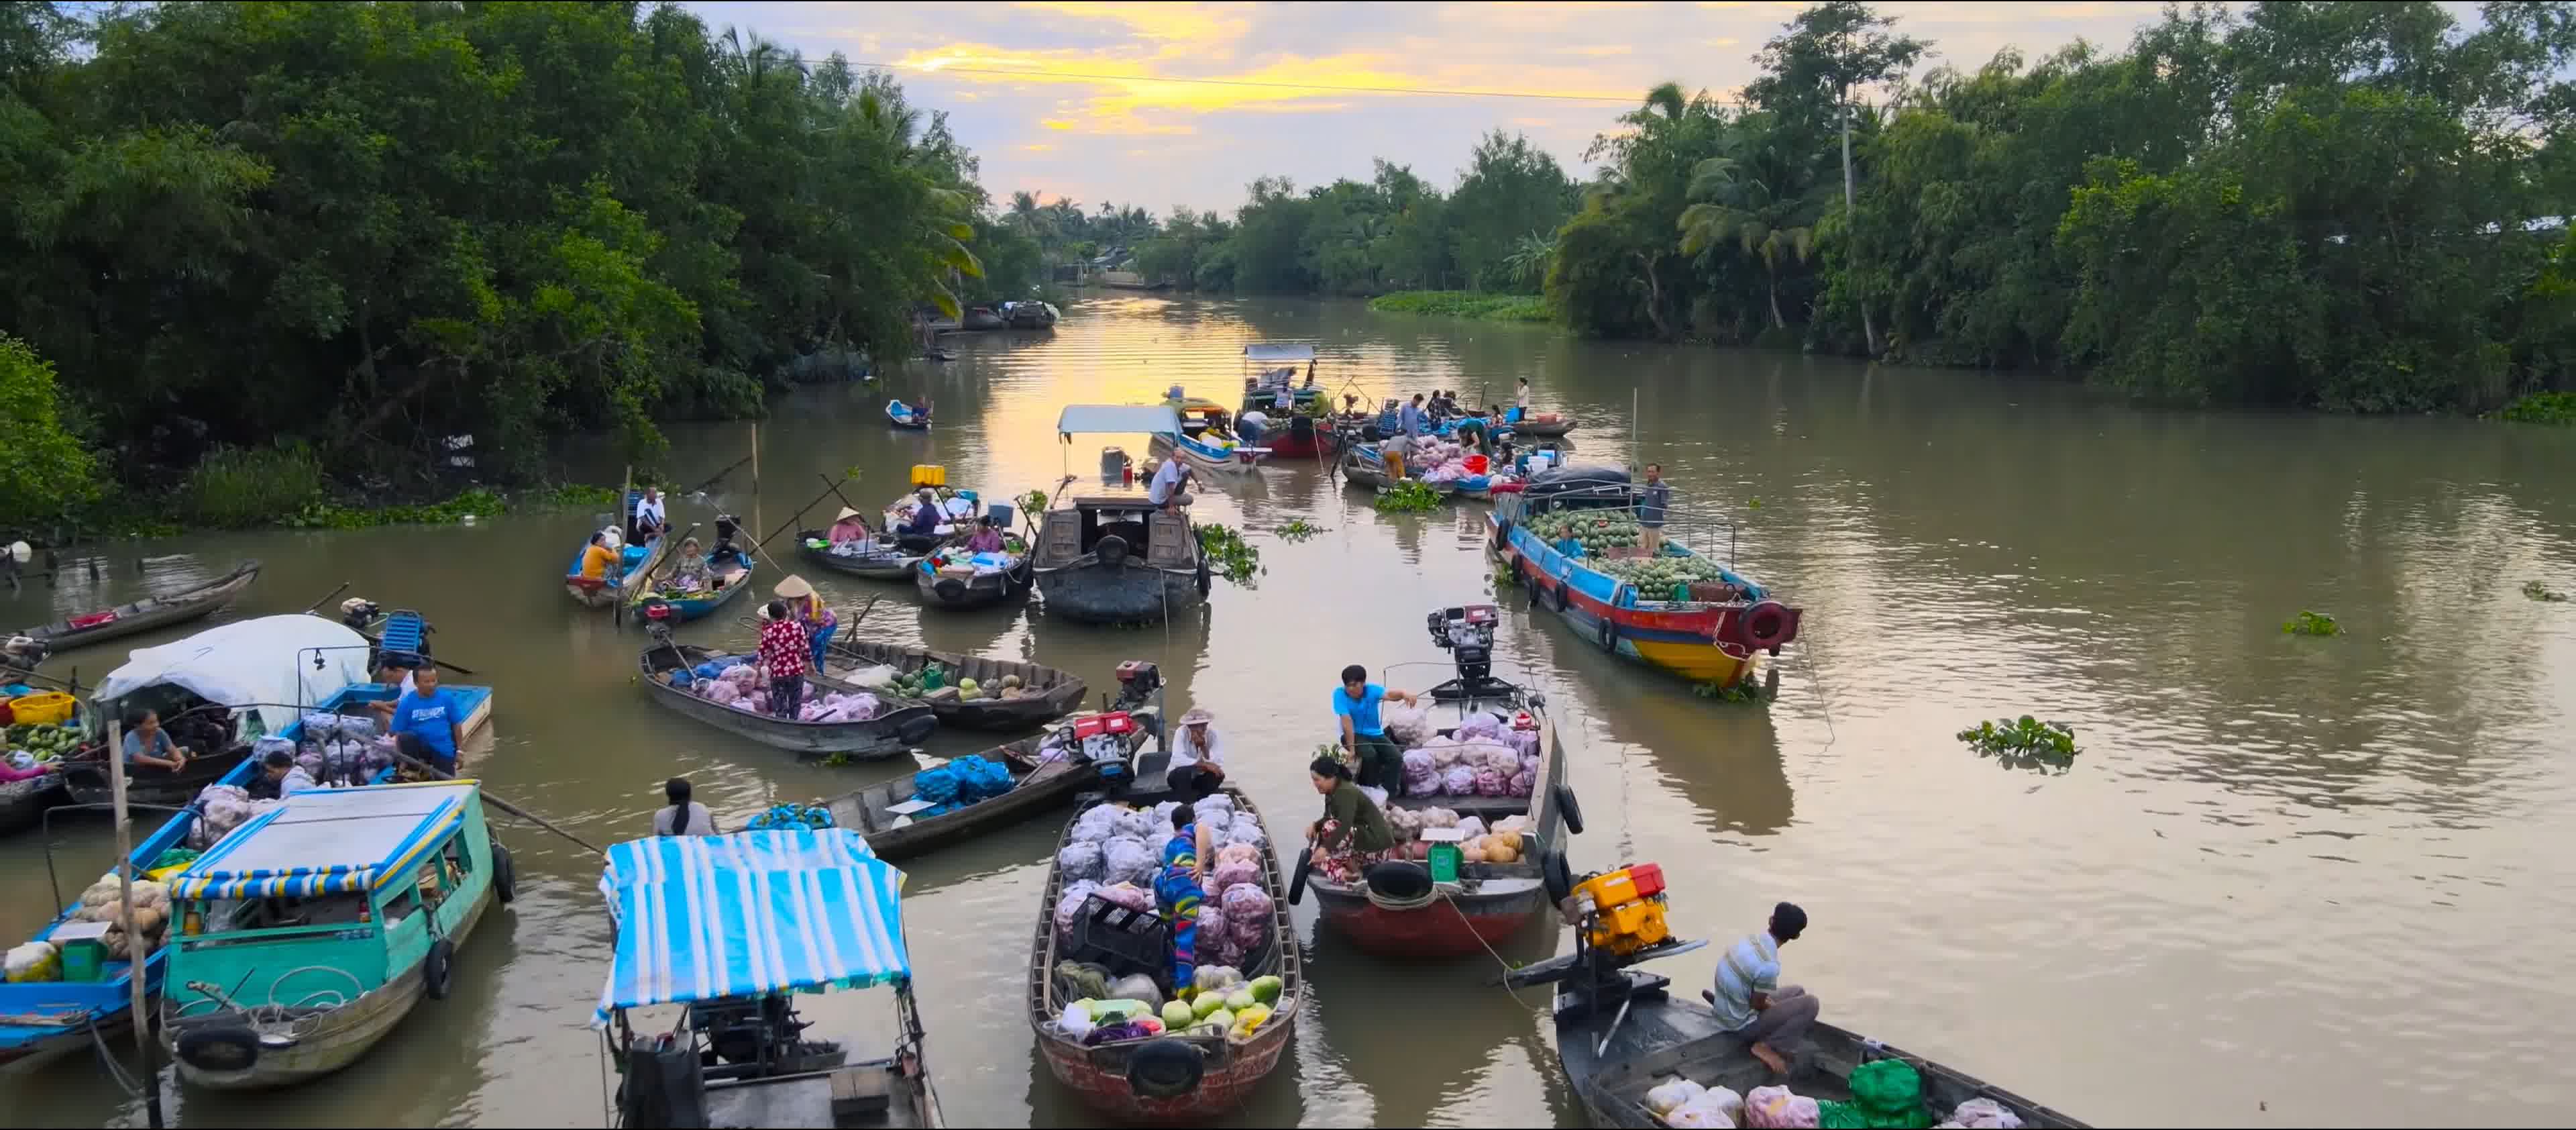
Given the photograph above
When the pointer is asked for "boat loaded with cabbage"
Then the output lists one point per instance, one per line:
(838, 719)
(1099, 983)
(1482, 811)
(1571, 536)
(693, 929)
(312, 930)
(1008, 695)
(1638, 1057)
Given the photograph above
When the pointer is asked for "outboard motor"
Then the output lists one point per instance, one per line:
(359, 613)
(1467, 634)
(23, 653)
(726, 528)
(1115, 467)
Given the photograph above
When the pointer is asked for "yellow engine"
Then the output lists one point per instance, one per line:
(1626, 908)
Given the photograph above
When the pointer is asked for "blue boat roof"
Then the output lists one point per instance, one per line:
(749, 914)
(329, 841)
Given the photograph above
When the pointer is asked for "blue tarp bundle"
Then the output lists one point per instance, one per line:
(959, 783)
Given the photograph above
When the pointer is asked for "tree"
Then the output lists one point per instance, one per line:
(1510, 188)
(1810, 70)
(43, 470)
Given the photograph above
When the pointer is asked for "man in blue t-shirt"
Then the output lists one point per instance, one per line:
(1355, 702)
(430, 719)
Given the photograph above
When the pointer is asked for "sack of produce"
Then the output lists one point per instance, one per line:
(1444, 753)
(1492, 783)
(1247, 915)
(1076, 1020)
(1886, 1093)
(1238, 853)
(871, 677)
(1776, 1108)
(1127, 859)
(1523, 783)
(1439, 817)
(1663, 1097)
(1096, 824)
(1458, 780)
(1229, 874)
(1138, 987)
(1418, 761)
(1140, 823)
(1080, 861)
(1409, 726)
(1128, 895)
(1697, 1118)
(1983, 1114)
(1480, 725)
(1210, 806)
(34, 961)
(1068, 907)
(1216, 980)
(1113, 1033)
(1245, 830)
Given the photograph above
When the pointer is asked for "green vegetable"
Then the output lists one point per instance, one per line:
(1266, 989)
(1207, 1004)
(1222, 1020)
(1177, 1015)
(1240, 999)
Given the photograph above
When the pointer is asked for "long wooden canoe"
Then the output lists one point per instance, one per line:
(146, 614)
(901, 727)
(1047, 691)
(1045, 778)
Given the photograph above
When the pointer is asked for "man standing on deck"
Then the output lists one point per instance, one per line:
(1652, 503)
(1520, 407)
(1748, 1000)
(1411, 420)
(1378, 763)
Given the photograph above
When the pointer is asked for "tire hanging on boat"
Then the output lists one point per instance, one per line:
(1112, 551)
(1165, 1069)
(1561, 600)
(228, 1048)
(1563, 795)
(505, 876)
(1765, 623)
(1609, 633)
(436, 968)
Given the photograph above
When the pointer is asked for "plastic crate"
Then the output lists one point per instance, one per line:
(1120, 939)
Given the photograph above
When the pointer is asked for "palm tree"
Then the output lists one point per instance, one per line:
(1529, 259)
(1756, 199)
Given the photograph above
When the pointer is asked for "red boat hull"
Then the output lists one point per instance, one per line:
(1101, 1079)
(1444, 929)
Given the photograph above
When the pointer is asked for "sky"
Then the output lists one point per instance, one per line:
(1115, 135)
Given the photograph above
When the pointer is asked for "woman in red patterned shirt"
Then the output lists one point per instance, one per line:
(783, 648)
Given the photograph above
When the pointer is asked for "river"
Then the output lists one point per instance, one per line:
(2289, 880)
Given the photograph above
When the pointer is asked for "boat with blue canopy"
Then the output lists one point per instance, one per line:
(728, 928)
(284, 675)
(313, 929)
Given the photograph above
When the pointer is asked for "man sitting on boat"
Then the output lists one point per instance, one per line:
(926, 516)
(1749, 1001)
(1198, 761)
(847, 527)
(1355, 703)
(284, 777)
(1166, 490)
(650, 522)
(425, 723)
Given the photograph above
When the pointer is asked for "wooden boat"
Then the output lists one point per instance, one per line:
(1049, 691)
(23, 802)
(326, 920)
(1663, 1039)
(1492, 901)
(1029, 315)
(1227, 1069)
(158, 611)
(903, 415)
(1204, 440)
(1045, 778)
(1710, 638)
(738, 1056)
(1299, 438)
(592, 592)
(731, 577)
(1542, 425)
(889, 559)
(980, 318)
(1107, 556)
(1362, 466)
(964, 591)
(41, 1021)
(886, 735)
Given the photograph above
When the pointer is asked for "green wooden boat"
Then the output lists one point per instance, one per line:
(312, 930)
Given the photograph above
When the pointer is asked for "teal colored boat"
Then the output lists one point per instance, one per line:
(661, 601)
(311, 931)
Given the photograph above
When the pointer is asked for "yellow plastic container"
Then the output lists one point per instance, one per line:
(929, 475)
(43, 708)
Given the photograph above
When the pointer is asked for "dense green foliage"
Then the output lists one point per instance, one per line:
(2543, 408)
(1464, 304)
(2351, 206)
(365, 226)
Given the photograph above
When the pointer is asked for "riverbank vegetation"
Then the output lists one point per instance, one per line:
(349, 231)
(2347, 206)
(1464, 304)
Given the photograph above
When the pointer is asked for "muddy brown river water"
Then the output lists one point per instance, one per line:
(2289, 881)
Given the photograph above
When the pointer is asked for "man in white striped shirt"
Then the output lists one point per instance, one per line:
(1748, 999)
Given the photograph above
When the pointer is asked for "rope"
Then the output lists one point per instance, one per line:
(1437, 892)
(132, 1087)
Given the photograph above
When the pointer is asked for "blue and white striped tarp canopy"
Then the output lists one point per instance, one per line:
(705, 917)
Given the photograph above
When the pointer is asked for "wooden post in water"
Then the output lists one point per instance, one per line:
(755, 478)
(137, 952)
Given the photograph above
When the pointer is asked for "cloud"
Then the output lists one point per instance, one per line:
(1040, 147)
(1057, 123)
(1598, 50)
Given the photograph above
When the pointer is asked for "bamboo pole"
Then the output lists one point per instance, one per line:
(138, 953)
(755, 476)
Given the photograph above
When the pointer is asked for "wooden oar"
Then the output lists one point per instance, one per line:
(326, 597)
(835, 488)
(799, 515)
(718, 476)
(436, 774)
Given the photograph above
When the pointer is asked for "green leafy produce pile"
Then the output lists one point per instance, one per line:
(1411, 496)
(1228, 554)
(1658, 575)
(48, 742)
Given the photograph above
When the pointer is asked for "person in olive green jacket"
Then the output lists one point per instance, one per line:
(1353, 833)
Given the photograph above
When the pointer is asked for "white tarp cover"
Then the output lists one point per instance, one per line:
(263, 661)
(1122, 419)
(1274, 351)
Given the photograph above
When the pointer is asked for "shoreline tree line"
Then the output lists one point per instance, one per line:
(2349, 206)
